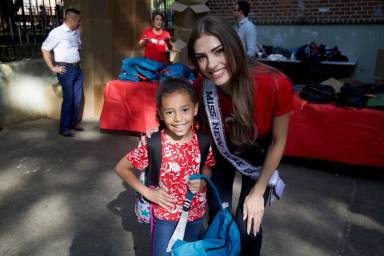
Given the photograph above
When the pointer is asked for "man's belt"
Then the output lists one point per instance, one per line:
(67, 63)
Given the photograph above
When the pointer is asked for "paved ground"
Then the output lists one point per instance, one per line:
(60, 196)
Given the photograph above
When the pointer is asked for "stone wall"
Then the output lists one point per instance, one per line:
(23, 91)
(109, 32)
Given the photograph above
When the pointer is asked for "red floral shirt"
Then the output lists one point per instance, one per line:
(179, 161)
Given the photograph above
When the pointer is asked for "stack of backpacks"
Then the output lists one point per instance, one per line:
(144, 69)
(358, 96)
(318, 93)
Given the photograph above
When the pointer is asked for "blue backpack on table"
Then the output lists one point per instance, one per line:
(177, 70)
(130, 74)
(140, 69)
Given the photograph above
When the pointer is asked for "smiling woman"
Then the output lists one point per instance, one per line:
(247, 106)
(211, 60)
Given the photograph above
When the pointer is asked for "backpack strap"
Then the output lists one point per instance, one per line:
(154, 159)
(204, 144)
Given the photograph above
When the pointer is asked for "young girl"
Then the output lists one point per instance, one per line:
(177, 106)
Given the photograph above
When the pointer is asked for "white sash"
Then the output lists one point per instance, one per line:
(212, 109)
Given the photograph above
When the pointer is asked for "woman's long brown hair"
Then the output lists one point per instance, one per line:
(244, 131)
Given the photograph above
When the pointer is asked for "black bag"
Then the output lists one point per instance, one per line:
(354, 95)
(318, 93)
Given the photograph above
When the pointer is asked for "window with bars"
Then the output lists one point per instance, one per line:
(164, 6)
(24, 24)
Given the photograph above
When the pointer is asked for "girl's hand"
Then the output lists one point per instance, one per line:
(253, 211)
(160, 197)
(196, 185)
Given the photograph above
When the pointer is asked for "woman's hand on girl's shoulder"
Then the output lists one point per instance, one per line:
(146, 136)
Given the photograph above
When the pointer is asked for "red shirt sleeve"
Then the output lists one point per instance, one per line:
(138, 157)
(144, 34)
(284, 101)
(273, 96)
(166, 35)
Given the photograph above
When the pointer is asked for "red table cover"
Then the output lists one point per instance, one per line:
(129, 106)
(321, 131)
(327, 132)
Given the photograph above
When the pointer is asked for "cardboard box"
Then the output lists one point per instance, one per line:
(352, 81)
(179, 45)
(179, 53)
(186, 12)
(379, 69)
(336, 84)
(181, 33)
(180, 57)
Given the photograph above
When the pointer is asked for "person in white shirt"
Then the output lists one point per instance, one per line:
(245, 28)
(65, 43)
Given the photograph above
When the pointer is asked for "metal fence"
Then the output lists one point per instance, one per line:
(24, 25)
(164, 6)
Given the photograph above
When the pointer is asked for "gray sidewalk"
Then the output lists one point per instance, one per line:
(60, 196)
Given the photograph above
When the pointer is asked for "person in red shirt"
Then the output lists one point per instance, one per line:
(156, 40)
(254, 101)
(177, 106)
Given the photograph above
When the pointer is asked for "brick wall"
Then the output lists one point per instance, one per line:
(307, 11)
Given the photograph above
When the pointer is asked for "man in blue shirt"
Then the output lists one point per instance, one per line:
(245, 28)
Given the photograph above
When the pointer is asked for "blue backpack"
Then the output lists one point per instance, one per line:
(140, 69)
(129, 75)
(177, 70)
(147, 74)
(222, 238)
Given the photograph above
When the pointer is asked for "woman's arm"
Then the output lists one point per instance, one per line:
(253, 208)
(168, 43)
(143, 42)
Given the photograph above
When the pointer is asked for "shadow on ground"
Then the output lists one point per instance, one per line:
(60, 196)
